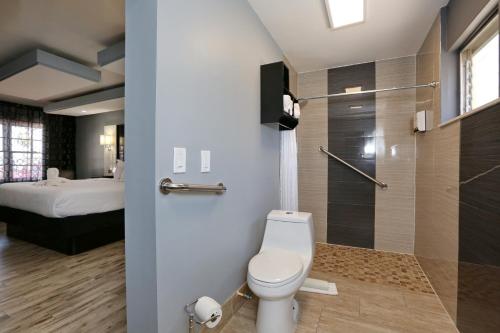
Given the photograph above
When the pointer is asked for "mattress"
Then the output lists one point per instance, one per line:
(69, 198)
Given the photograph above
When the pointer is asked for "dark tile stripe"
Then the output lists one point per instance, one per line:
(479, 224)
(351, 198)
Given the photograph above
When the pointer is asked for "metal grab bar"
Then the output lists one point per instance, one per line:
(378, 182)
(167, 186)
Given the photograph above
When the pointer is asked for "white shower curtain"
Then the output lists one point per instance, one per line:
(289, 192)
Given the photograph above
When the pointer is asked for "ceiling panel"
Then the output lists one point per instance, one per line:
(97, 102)
(93, 108)
(75, 30)
(41, 82)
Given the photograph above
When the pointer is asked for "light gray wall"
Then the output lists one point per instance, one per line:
(140, 186)
(450, 73)
(208, 97)
(89, 153)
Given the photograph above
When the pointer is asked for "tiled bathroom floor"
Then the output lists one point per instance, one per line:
(387, 268)
(379, 292)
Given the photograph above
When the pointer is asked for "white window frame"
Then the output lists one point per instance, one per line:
(479, 40)
(30, 152)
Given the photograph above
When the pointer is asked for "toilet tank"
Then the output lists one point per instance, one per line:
(293, 231)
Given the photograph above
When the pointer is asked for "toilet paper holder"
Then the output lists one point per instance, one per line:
(192, 321)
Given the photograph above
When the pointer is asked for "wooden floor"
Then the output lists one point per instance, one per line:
(366, 303)
(44, 291)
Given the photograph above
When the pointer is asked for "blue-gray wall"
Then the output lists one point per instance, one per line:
(141, 178)
(89, 152)
(208, 58)
(208, 97)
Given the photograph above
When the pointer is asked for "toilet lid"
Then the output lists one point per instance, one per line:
(275, 266)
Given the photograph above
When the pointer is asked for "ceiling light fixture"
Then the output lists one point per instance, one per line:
(342, 13)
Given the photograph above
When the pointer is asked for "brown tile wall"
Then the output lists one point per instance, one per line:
(395, 151)
(313, 166)
(437, 180)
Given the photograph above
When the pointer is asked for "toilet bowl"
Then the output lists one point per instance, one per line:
(277, 272)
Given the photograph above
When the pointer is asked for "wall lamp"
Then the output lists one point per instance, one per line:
(106, 141)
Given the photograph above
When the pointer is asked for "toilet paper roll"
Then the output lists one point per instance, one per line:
(207, 308)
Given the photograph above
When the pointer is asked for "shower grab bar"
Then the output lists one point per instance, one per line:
(378, 182)
(167, 186)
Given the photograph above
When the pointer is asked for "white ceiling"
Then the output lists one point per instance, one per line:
(76, 30)
(393, 28)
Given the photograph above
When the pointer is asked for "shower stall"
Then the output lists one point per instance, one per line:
(356, 153)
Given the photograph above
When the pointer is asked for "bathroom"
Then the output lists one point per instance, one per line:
(393, 162)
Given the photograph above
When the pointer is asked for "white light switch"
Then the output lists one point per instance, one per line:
(205, 161)
(179, 160)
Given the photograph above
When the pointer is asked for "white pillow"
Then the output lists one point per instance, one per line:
(119, 170)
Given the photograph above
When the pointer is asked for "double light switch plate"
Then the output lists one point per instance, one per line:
(180, 160)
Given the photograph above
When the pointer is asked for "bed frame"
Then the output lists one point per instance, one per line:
(69, 235)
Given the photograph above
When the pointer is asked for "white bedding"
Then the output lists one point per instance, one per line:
(70, 198)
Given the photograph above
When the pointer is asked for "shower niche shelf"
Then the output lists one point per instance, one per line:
(274, 83)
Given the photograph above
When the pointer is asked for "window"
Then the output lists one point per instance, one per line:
(26, 147)
(24, 141)
(480, 68)
(21, 152)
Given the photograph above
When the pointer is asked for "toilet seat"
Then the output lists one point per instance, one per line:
(276, 267)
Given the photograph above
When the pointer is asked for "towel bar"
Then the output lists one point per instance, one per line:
(167, 186)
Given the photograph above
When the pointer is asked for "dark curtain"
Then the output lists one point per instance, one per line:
(32, 141)
(120, 142)
(61, 143)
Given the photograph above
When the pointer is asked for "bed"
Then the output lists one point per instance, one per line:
(70, 216)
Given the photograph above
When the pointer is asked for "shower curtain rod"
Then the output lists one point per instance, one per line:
(433, 84)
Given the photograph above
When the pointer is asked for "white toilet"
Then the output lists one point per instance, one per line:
(279, 270)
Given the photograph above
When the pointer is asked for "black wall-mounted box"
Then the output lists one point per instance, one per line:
(274, 83)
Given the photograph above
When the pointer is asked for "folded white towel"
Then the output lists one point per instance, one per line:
(296, 110)
(52, 173)
(287, 104)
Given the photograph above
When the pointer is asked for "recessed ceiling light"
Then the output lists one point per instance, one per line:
(345, 12)
(84, 111)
